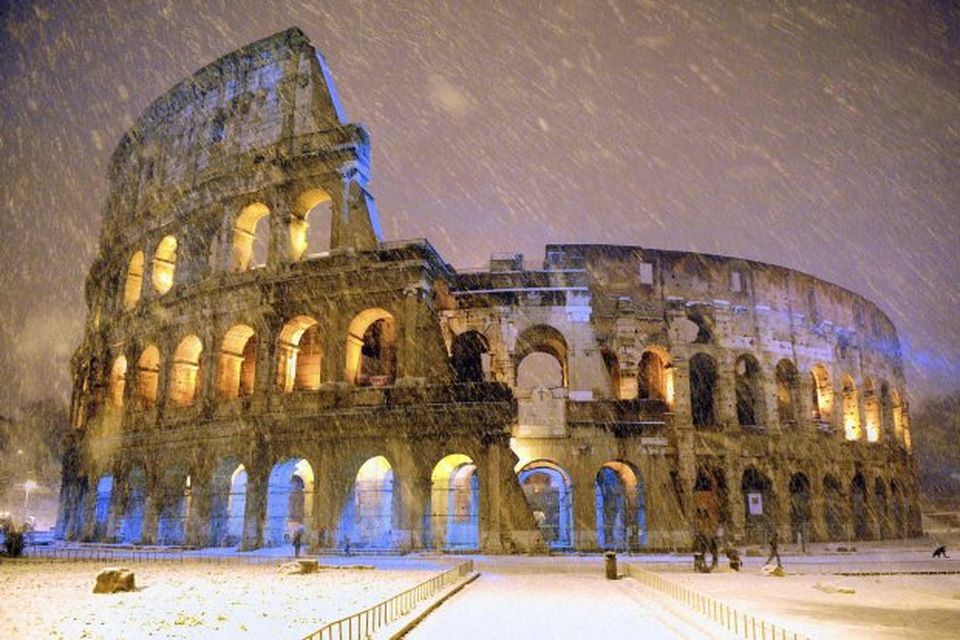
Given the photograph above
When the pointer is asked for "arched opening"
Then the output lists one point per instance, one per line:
(251, 239)
(368, 518)
(898, 512)
(653, 377)
(710, 502)
(822, 400)
(800, 511)
(760, 510)
(228, 500)
(289, 501)
(131, 525)
(703, 385)
(455, 503)
(871, 411)
(238, 362)
(133, 285)
(164, 264)
(880, 504)
(148, 376)
(186, 372)
(541, 358)
(851, 410)
(299, 354)
(469, 357)
(858, 505)
(174, 506)
(787, 393)
(372, 349)
(833, 507)
(704, 324)
(310, 224)
(101, 513)
(549, 493)
(620, 510)
(897, 410)
(118, 381)
(749, 391)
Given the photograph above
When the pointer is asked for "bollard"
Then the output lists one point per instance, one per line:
(610, 563)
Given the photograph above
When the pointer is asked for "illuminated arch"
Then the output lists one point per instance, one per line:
(299, 355)
(307, 205)
(185, 372)
(118, 381)
(454, 503)
(620, 507)
(369, 516)
(656, 375)
(541, 339)
(871, 411)
(133, 286)
(249, 245)
(372, 348)
(228, 498)
(851, 410)
(164, 264)
(822, 393)
(238, 362)
(549, 493)
(148, 375)
(289, 501)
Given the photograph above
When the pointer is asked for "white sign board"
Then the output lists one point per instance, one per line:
(755, 504)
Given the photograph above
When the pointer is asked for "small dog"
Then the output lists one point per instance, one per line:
(941, 552)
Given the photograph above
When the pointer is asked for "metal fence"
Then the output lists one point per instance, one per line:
(740, 623)
(364, 624)
(94, 554)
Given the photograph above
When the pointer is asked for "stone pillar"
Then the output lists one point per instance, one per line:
(584, 523)
(725, 396)
(197, 529)
(412, 489)
(409, 356)
(151, 515)
(333, 364)
(89, 509)
(118, 502)
(330, 494)
(255, 506)
(733, 474)
(490, 481)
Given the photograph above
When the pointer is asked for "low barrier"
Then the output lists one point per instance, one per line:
(742, 624)
(364, 624)
(94, 554)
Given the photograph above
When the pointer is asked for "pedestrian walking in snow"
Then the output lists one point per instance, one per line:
(773, 540)
(297, 541)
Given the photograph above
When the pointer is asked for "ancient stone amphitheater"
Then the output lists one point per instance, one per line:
(257, 360)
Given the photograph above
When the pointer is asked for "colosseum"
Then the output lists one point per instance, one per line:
(258, 360)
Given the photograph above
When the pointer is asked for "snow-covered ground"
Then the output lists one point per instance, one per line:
(811, 598)
(192, 600)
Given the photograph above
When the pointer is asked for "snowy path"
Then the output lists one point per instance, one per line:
(531, 600)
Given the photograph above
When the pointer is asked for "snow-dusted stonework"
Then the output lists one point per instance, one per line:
(258, 362)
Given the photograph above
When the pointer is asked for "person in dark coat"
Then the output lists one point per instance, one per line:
(773, 540)
(297, 542)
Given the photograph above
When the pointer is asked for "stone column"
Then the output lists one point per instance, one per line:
(89, 507)
(725, 396)
(151, 515)
(197, 530)
(255, 506)
(409, 357)
(584, 525)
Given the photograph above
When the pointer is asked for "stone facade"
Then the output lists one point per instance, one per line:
(234, 384)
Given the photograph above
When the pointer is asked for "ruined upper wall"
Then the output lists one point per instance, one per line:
(257, 100)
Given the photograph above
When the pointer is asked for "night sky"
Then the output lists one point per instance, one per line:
(822, 136)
